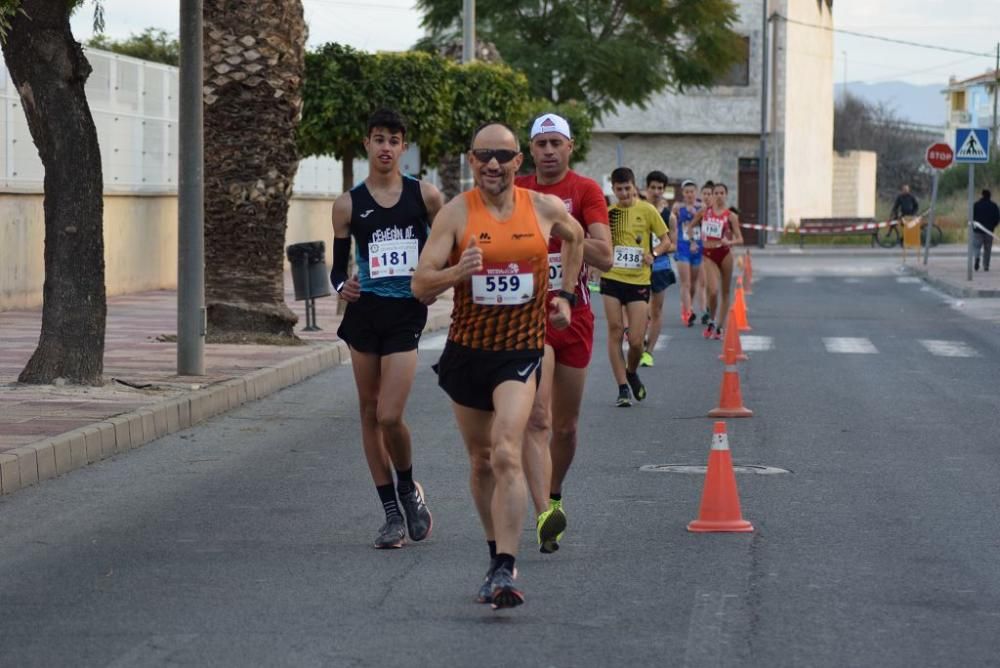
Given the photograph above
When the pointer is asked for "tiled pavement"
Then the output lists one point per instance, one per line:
(48, 430)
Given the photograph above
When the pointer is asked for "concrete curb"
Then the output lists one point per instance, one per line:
(965, 292)
(51, 457)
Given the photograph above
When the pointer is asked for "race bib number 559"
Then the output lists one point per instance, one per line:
(504, 284)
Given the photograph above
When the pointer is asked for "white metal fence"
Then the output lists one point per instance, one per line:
(134, 104)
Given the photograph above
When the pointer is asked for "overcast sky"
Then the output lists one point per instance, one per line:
(970, 25)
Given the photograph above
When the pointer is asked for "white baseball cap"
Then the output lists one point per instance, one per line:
(550, 123)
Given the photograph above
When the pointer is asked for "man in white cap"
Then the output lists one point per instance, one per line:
(550, 439)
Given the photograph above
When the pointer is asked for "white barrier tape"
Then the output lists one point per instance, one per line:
(979, 225)
(861, 227)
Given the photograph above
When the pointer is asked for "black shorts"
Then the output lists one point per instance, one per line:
(470, 376)
(662, 280)
(383, 325)
(624, 292)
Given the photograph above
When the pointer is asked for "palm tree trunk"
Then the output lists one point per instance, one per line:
(254, 63)
(49, 71)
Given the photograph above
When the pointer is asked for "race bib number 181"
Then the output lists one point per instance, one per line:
(391, 259)
(504, 284)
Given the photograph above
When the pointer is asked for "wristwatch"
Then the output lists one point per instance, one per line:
(570, 297)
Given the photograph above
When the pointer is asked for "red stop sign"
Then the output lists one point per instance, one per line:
(940, 156)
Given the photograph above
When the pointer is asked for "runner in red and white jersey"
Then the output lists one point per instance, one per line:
(550, 438)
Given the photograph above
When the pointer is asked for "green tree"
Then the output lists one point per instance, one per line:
(335, 105)
(600, 52)
(152, 44)
(343, 86)
(49, 70)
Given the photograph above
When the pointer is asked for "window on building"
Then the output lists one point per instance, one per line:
(958, 100)
(739, 72)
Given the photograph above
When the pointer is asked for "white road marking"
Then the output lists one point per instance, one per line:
(847, 344)
(435, 342)
(908, 279)
(661, 343)
(756, 344)
(948, 348)
(804, 279)
(853, 280)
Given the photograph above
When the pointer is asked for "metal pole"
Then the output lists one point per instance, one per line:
(930, 219)
(191, 198)
(762, 161)
(996, 87)
(972, 179)
(468, 55)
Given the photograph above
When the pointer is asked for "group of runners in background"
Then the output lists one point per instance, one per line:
(515, 251)
(647, 231)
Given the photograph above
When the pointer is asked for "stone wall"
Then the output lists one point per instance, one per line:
(854, 184)
(697, 157)
(140, 237)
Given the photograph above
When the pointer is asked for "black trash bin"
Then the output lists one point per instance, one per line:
(310, 277)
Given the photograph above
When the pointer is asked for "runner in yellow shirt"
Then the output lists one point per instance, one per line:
(626, 287)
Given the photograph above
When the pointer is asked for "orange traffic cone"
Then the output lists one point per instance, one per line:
(748, 272)
(720, 500)
(730, 399)
(740, 308)
(732, 347)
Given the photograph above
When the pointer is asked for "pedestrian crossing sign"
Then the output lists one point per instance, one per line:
(972, 145)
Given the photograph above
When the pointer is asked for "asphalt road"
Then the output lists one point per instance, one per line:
(245, 541)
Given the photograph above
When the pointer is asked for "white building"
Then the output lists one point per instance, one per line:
(714, 133)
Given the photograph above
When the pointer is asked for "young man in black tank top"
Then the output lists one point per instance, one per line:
(389, 216)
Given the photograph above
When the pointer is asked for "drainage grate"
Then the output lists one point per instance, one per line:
(759, 469)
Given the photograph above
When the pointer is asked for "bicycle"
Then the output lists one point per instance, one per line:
(891, 236)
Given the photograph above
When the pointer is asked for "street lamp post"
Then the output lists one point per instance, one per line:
(191, 197)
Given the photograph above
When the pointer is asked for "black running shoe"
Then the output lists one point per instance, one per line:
(485, 594)
(624, 400)
(638, 389)
(691, 319)
(705, 317)
(392, 534)
(418, 519)
(504, 593)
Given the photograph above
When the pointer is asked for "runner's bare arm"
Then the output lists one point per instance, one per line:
(348, 287)
(694, 221)
(433, 275)
(597, 247)
(673, 232)
(433, 199)
(734, 225)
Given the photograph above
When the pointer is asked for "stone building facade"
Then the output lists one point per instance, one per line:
(714, 133)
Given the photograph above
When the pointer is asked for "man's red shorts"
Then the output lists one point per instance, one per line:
(574, 344)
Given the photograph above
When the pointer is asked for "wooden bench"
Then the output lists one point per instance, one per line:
(814, 226)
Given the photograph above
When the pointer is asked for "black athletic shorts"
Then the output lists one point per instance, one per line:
(662, 280)
(470, 376)
(383, 325)
(624, 292)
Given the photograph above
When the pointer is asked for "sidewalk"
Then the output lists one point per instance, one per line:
(47, 430)
(948, 273)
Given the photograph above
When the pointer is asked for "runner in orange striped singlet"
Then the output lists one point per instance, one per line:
(491, 246)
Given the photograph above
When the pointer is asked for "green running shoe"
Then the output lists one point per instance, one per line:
(550, 527)
(646, 359)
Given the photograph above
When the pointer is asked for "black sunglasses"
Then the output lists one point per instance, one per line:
(503, 155)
